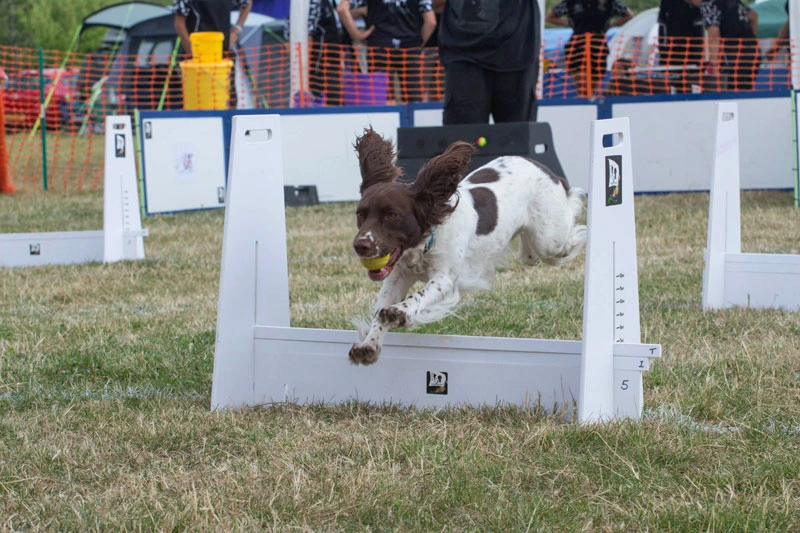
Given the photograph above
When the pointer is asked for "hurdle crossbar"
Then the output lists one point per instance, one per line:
(260, 359)
(730, 277)
(122, 235)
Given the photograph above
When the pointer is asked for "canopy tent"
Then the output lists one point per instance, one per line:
(141, 39)
(125, 15)
(144, 17)
(771, 16)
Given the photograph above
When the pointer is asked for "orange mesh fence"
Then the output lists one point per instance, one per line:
(590, 65)
(357, 75)
(81, 89)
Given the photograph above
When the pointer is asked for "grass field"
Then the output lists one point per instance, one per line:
(105, 379)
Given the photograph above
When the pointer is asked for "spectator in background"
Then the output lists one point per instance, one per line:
(781, 41)
(490, 53)
(432, 71)
(209, 15)
(587, 50)
(396, 32)
(327, 40)
(733, 52)
(680, 33)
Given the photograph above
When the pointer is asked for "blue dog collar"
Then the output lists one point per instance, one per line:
(429, 244)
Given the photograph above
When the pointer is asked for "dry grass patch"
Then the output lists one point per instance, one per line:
(105, 374)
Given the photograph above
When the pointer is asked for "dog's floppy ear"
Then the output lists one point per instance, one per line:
(376, 157)
(438, 180)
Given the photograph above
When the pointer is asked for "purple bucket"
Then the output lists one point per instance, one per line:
(365, 89)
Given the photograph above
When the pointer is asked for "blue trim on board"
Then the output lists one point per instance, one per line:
(688, 97)
(226, 134)
(603, 105)
(316, 110)
(604, 110)
(227, 125)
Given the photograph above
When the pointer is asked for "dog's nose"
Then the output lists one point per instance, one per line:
(362, 246)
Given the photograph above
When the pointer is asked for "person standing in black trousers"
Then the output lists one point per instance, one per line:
(490, 53)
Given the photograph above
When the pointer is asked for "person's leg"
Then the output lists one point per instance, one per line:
(410, 71)
(333, 74)
(750, 57)
(379, 60)
(599, 58)
(396, 59)
(513, 95)
(466, 94)
(575, 59)
(432, 75)
(316, 68)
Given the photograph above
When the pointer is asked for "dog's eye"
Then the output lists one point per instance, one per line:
(391, 216)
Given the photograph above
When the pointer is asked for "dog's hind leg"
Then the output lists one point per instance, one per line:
(571, 249)
(554, 237)
(527, 251)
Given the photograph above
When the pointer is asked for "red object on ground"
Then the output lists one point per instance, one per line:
(5, 180)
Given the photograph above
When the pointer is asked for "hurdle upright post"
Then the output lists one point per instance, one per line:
(730, 277)
(608, 390)
(724, 220)
(254, 277)
(123, 236)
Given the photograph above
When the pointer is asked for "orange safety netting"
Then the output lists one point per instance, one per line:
(81, 89)
(356, 75)
(590, 66)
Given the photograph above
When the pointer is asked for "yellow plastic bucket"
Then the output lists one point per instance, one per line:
(207, 46)
(206, 85)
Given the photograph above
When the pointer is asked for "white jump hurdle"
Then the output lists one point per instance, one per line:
(730, 277)
(122, 235)
(260, 359)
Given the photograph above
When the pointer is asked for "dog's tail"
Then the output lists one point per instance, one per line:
(576, 198)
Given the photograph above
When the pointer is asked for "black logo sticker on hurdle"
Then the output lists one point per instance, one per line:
(119, 145)
(613, 180)
(35, 248)
(148, 129)
(436, 383)
(221, 194)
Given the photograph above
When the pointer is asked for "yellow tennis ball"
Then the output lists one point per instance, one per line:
(481, 141)
(375, 263)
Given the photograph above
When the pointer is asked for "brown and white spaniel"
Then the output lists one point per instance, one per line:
(451, 234)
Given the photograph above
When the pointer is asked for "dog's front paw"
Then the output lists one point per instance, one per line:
(364, 354)
(393, 317)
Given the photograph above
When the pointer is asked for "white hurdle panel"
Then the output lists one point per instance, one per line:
(730, 277)
(260, 359)
(122, 235)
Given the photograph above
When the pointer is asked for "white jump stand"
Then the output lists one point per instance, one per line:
(730, 277)
(122, 235)
(260, 359)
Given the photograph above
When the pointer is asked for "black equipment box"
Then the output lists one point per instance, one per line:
(416, 145)
(298, 195)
